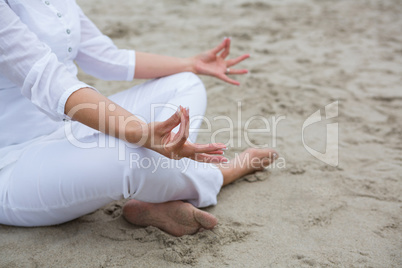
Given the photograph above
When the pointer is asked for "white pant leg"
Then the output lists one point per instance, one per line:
(158, 99)
(55, 182)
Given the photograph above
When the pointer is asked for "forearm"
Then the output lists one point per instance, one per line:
(96, 111)
(149, 66)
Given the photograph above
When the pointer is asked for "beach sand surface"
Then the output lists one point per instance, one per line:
(306, 56)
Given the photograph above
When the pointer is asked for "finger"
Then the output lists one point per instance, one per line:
(228, 80)
(177, 137)
(226, 51)
(207, 148)
(187, 124)
(217, 152)
(172, 122)
(210, 158)
(219, 47)
(182, 135)
(235, 61)
(188, 121)
(237, 71)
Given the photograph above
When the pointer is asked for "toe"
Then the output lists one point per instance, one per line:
(205, 219)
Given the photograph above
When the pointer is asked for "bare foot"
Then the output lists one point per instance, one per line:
(176, 217)
(179, 218)
(249, 161)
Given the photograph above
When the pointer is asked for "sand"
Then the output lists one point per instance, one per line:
(301, 213)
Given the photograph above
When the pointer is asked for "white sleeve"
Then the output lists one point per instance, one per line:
(99, 57)
(31, 65)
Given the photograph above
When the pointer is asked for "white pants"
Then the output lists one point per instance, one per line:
(57, 181)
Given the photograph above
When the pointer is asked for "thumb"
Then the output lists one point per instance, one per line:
(172, 122)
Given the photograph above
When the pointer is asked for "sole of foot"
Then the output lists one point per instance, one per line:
(176, 217)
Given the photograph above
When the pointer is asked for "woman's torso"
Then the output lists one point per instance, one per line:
(55, 23)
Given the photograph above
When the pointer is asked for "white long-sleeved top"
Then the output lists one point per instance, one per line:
(39, 42)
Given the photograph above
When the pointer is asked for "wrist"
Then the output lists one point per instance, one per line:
(137, 132)
(189, 64)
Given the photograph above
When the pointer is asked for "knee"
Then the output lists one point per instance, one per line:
(192, 83)
(191, 78)
(188, 77)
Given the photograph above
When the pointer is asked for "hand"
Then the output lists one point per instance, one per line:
(214, 64)
(176, 146)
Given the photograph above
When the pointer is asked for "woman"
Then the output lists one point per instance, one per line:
(53, 170)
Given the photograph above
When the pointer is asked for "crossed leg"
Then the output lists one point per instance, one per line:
(56, 181)
(179, 218)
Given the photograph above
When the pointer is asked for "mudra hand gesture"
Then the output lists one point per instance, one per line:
(158, 136)
(214, 64)
(176, 146)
